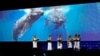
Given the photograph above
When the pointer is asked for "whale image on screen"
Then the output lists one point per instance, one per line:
(64, 20)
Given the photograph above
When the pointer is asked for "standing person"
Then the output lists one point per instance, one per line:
(49, 47)
(35, 46)
(59, 42)
(69, 42)
(77, 42)
(35, 41)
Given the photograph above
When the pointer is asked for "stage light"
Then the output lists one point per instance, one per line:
(44, 54)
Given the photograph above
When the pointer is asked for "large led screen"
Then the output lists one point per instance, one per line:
(64, 20)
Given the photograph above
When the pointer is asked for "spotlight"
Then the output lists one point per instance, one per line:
(44, 54)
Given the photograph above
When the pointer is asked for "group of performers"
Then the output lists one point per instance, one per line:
(70, 40)
(76, 41)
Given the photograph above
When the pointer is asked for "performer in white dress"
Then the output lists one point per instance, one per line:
(69, 42)
(77, 42)
(35, 40)
(59, 42)
(49, 47)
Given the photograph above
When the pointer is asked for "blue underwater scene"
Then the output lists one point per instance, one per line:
(64, 20)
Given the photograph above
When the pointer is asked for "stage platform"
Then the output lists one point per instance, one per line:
(25, 48)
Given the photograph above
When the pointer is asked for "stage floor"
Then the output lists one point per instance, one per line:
(25, 48)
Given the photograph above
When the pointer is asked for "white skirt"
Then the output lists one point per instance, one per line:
(59, 46)
(34, 44)
(70, 45)
(49, 46)
(77, 46)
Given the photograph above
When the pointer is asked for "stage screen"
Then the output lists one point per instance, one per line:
(64, 20)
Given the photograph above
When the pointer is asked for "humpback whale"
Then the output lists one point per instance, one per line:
(22, 24)
(56, 16)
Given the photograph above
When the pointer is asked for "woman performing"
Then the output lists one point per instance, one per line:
(35, 40)
(77, 42)
(69, 42)
(49, 43)
(59, 42)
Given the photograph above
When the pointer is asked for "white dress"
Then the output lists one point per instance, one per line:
(59, 46)
(70, 45)
(49, 46)
(78, 45)
(34, 44)
(75, 46)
